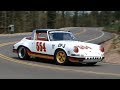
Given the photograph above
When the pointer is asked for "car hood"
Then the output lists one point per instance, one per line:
(81, 45)
(86, 49)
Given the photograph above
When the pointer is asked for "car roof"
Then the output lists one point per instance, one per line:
(45, 30)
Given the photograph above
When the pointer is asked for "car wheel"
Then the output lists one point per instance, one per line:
(61, 57)
(22, 53)
(91, 64)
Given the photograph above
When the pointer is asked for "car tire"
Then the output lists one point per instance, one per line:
(61, 57)
(22, 53)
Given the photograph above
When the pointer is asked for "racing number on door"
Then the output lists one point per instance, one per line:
(40, 46)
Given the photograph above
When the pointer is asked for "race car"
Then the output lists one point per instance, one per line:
(60, 46)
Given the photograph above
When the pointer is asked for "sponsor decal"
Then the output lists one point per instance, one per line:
(84, 47)
(34, 54)
(53, 46)
(61, 45)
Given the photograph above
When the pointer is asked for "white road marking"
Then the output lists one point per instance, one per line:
(96, 37)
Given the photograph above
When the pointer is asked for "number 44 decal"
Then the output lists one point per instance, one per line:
(40, 46)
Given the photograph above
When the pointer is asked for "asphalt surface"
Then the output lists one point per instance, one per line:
(92, 35)
(13, 68)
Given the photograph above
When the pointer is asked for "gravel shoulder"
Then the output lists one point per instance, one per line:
(112, 55)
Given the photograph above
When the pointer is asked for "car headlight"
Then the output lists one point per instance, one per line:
(76, 50)
(101, 48)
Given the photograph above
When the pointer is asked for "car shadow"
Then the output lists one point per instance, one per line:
(47, 61)
(82, 65)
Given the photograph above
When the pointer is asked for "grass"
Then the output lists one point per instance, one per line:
(114, 28)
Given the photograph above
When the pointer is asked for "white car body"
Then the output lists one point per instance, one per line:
(76, 51)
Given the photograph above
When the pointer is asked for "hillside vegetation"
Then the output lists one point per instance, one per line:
(114, 27)
(26, 21)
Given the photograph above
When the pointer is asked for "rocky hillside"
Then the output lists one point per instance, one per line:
(112, 50)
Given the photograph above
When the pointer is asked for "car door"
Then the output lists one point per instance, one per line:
(41, 44)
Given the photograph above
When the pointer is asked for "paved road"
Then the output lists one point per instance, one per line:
(11, 67)
(91, 35)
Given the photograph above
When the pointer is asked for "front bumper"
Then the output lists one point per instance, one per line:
(15, 51)
(86, 59)
(92, 60)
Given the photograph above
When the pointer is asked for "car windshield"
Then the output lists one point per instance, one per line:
(57, 36)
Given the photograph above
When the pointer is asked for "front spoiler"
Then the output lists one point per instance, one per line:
(84, 60)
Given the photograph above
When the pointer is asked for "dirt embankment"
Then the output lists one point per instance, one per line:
(112, 50)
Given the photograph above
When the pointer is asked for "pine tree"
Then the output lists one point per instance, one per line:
(75, 18)
(51, 16)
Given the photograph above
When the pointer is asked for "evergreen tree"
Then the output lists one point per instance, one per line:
(75, 18)
(51, 16)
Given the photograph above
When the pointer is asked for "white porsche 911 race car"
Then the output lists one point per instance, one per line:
(58, 45)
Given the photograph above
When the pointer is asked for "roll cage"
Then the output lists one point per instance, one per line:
(44, 34)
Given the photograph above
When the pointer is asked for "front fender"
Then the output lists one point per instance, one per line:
(68, 50)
